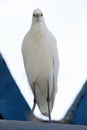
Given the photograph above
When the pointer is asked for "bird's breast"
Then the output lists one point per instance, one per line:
(37, 55)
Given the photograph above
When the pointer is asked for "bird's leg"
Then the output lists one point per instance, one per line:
(48, 103)
(34, 101)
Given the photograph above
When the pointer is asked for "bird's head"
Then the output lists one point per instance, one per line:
(37, 15)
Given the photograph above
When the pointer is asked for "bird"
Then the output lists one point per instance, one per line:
(41, 63)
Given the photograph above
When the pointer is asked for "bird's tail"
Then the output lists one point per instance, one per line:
(42, 102)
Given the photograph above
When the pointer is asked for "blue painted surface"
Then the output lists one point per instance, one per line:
(26, 125)
(12, 104)
(80, 113)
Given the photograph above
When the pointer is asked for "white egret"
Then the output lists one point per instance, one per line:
(40, 56)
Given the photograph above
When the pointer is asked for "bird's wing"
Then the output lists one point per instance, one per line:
(56, 65)
(32, 57)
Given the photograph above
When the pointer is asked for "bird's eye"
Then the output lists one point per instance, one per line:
(41, 14)
(34, 15)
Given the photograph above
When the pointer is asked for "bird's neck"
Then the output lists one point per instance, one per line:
(38, 27)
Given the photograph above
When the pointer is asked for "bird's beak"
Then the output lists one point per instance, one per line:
(37, 15)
